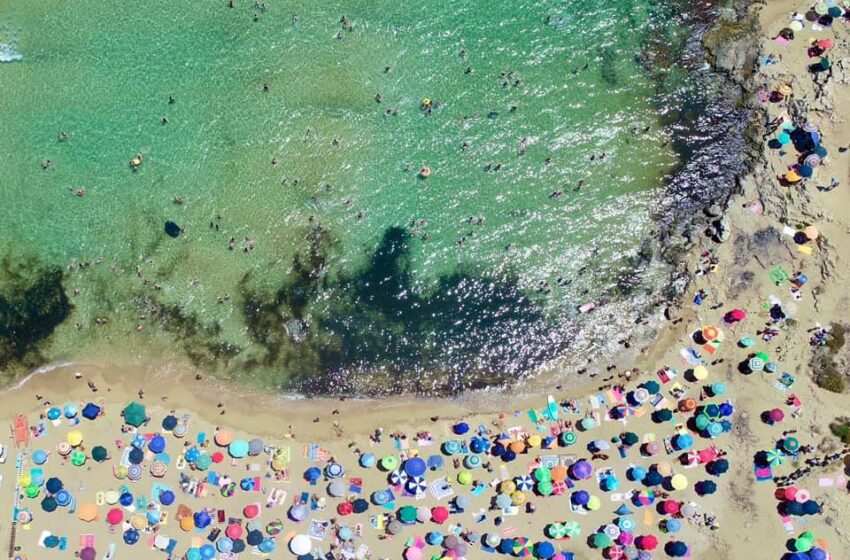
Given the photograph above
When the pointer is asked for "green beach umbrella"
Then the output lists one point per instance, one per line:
(630, 438)
(652, 386)
(134, 414)
(763, 356)
(407, 514)
(803, 544)
(542, 474)
(825, 63)
(791, 444)
(78, 458)
(32, 491)
(545, 487)
(557, 530)
(568, 438)
(774, 457)
(601, 540)
(573, 529)
(464, 477)
(702, 421)
(389, 463)
(204, 461)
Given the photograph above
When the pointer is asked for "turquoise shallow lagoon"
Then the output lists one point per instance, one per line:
(287, 143)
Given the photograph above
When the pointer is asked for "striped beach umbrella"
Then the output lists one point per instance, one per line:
(398, 478)
(134, 472)
(568, 438)
(524, 482)
(416, 485)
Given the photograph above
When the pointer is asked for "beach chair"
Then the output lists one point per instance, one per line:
(99, 498)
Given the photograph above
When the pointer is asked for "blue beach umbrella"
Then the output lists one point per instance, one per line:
(207, 552)
(126, 499)
(673, 525)
(238, 546)
(684, 442)
(434, 538)
(54, 413)
(136, 456)
(415, 466)
(224, 544)
(238, 448)
(368, 460)
(53, 485)
(51, 541)
(153, 516)
(157, 444)
(806, 171)
(39, 457)
(636, 474)
(166, 497)
(169, 422)
(312, 474)
(90, 411)
(784, 138)
(267, 546)
(202, 519)
(131, 536)
(70, 410)
(63, 498)
(461, 428)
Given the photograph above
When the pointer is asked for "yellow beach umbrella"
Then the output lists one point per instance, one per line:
(508, 487)
(187, 523)
(25, 480)
(679, 482)
(464, 477)
(534, 440)
(139, 522)
(75, 438)
(518, 497)
(594, 503)
(700, 372)
(278, 463)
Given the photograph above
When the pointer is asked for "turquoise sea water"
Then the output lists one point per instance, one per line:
(360, 269)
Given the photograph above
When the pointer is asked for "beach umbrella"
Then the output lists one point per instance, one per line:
(298, 513)
(201, 519)
(593, 503)
(719, 467)
(78, 458)
(434, 538)
(394, 528)
(166, 497)
(715, 429)
(640, 395)
(207, 552)
(54, 413)
(75, 438)
(134, 414)
(568, 438)
(718, 389)
(336, 488)
(49, 504)
(334, 470)
(556, 530)
(39, 456)
(180, 430)
(544, 549)
(255, 447)
(238, 546)
(524, 483)
(670, 507)
(439, 514)
(601, 540)
(683, 442)
(464, 477)
(462, 502)
(811, 507)
(416, 485)
(802, 544)
(472, 461)
(234, 531)
(312, 474)
(88, 553)
(380, 497)
(784, 138)
(134, 472)
(587, 423)
(646, 542)
(503, 501)
(251, 511)
(679, 482)
(636, 473)
(626, 523)
(51, 541)
(268, 545)
(238, 448)
(460, 428)
(651, 448)
(136, 456)
(542, 473)
(253, 538)
(673, 525)
(662, 415)
(158, 469)
(609, 483)
(581, 470)
(676, 549)
(169, 422)
(368, 460)
(479, 445)
(360, 505)
(518, 497)
(613, 531)
(99, 453)
(111, 497)
(791, 444)
(407, 514)
(534, 441)
(224, 544)
(389, 462)
(70, 410)
(423, 514)
(53, 485)
(755, 364)
(63, 498)
(90, 411)
(157, 444)
(817, 554)
(32, 491)
(415, 466)
(114, 516)
(223, 437)
(776, 415)
(545, 487)
(131, 536)
(345, 508)
(705, 487)
(700, 372)
(522, 548)
(125, 499)
(508, 456)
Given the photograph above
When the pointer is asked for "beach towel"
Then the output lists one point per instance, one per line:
(648, 518)
(782, 40)
(763, 473)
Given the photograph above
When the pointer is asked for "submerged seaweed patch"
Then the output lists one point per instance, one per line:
(371, 330)
(32, 304)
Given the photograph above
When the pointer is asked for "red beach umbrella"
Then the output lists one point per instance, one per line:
(217, 457)
(345, 508)
(439, 514)
(670, 507)
(234, 531)
(251, 511)
(114, 516)
(646, 542)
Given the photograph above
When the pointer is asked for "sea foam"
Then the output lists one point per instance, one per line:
(8, 53)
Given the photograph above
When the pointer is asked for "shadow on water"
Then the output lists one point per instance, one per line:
(32, 304)
(373, 331)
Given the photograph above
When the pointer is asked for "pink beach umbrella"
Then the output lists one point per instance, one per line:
(777, 415)
(114, 516)
(413, 553)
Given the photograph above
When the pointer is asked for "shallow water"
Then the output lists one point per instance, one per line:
(363, 273)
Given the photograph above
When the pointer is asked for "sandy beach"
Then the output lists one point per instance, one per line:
(748, 277)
